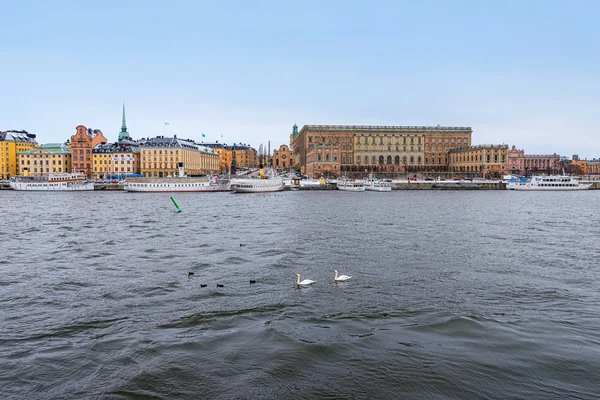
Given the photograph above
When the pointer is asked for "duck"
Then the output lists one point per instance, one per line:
(341, 277)
(219, 285)
(252, 281)
(305, 282)
(203, 285)
(190, 274)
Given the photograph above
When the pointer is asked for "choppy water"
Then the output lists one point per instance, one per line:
(454, 295)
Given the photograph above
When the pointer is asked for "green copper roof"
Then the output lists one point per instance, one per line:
(52, 148)
(123, 134)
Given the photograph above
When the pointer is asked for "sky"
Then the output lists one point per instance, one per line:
(524, 73)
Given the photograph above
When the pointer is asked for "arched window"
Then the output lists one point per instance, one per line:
(412, 160)
(389, 160)
(358, 159)
(380, 159)
(397, 160)
(374, 159)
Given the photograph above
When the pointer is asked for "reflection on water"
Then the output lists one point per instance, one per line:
(454, 294)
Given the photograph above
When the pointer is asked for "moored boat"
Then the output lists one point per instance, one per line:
(350, 185)
(377, 185)
(260, 184)
(546, 183)
(75, 181)
(177, 184)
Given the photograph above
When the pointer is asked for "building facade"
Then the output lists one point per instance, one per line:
(11, 144)
(116, 160)
(46, 159)
(323, 160)
(380, 148)
(82, 144)
(520, 163)
(244, 156)
(225, 155)
(483, 160)
(283, 158)
(593, 166)
(161, 156)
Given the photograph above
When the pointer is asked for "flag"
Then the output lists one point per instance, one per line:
(203, 135)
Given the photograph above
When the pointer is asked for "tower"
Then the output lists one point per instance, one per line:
(123, 134)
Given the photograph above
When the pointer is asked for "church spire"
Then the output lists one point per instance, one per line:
(123, 134)
(123, 125)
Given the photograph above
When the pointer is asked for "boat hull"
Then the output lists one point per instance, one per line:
(177, 185)
(53, 187)
(257, 185)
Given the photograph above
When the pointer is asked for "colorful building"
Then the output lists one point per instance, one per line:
(11, 144)
(520, 163)
(283, 158)
(161, 157)
(46, 159)
(485, 160)
(117, 160)
(380, 148)
(244, 156)
(82, 145)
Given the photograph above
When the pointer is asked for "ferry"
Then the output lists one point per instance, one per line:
(55, 182)
(177, 184)
(350, 186)
(376, 185)
(257, 185)
(261, 184)
(549, 182)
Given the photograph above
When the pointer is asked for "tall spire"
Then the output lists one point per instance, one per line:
(123, 125)
(123, 134)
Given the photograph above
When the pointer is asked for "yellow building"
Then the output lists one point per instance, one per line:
(116, 160)
(46, 159)
(323, 160)
(244, 156)
(11, 144)
(485, 160)
(161, 156)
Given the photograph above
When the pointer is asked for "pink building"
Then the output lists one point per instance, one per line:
(521, 163)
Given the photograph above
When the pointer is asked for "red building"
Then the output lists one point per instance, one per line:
(82, 144)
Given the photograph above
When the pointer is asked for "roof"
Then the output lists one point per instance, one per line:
(120, 147)
(17, 136)
(52, 148)
(161, 141)
(371, 128)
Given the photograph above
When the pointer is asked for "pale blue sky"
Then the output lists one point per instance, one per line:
(518, 72)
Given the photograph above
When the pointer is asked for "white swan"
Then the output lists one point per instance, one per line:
(305, 282)
(341, 277)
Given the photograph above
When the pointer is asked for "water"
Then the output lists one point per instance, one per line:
(458, 294)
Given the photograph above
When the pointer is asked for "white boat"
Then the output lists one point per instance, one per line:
(54, 182)
(377, 185)
(257, 185)
(350, 185)
(549, 182)
(177, 184)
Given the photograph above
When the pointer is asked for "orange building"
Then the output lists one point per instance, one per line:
(283, 158)
(82, 145)
(488, 160)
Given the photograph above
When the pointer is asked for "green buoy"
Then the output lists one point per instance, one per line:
(176, 206)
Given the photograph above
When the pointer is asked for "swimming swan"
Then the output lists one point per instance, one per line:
(305, 282)
(341, 277)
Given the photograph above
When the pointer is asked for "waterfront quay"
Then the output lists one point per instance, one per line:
(396, 185)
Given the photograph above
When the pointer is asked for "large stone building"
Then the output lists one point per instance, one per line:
(11, 144)
(593, 166)
(335, 149)
(46, 159)
(82, 144)
(521, 163)
(161, 157)
(484, 160)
